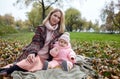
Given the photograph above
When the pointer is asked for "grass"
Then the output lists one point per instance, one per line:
(85, 36)
(25, 37)
(96, 37)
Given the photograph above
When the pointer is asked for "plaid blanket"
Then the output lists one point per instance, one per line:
(81, 70)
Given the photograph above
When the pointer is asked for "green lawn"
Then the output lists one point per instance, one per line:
(85, 36)
(112, 39)
(25, 37)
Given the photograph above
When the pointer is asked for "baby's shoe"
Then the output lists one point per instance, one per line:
(64, 65)
(45, 65)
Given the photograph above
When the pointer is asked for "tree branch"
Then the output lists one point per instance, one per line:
(51, 4)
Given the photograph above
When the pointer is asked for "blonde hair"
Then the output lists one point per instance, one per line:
(61, 24)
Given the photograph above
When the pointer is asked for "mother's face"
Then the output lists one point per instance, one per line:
(55, 18)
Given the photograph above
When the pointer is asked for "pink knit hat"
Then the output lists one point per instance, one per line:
(65, 36)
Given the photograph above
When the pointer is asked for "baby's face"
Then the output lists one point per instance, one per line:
(62, 43)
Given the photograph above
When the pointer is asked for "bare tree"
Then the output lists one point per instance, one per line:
(45, 4)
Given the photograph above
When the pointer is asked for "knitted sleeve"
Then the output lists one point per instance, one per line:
(37, 41)
(72, 56)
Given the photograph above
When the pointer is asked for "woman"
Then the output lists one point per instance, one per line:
(38, 50)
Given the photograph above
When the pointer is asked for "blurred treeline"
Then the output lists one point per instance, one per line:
(110, 15)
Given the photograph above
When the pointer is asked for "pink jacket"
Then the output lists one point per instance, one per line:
(63, 53)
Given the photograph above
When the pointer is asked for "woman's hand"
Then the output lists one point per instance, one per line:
(31, 58)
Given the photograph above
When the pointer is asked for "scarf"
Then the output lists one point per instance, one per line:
(50, 27)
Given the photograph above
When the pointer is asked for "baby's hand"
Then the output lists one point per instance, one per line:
(72, 58)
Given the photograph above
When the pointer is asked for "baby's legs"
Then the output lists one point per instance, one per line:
(53, 64)
(66, 65)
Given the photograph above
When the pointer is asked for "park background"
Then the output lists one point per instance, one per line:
(94, 37)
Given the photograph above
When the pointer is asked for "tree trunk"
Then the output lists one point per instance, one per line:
(43, 10)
